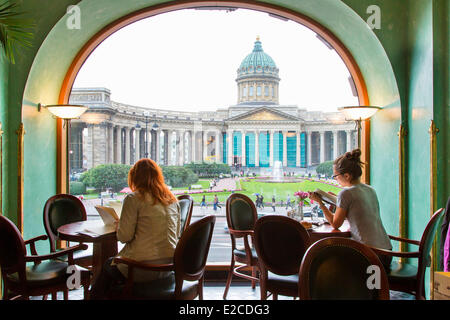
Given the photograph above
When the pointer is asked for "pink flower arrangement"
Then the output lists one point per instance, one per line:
(301, 196)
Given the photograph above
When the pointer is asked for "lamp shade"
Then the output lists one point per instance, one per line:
(359, 112)
(66, 111)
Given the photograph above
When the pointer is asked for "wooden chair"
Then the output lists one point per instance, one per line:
(281, 243)
(186, 205)
(404, 276)
(241, 218)
(47, 274)
(63, 209)
(338, 269)
(188, 264)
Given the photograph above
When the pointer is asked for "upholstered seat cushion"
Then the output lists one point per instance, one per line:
(284, 285)
(240, 252)
(45, 273)
(162, 289)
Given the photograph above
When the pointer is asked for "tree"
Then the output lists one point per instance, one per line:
(325, 168)
(105, 176)
(208, 170)
(179, 176)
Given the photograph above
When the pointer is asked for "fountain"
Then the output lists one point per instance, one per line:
(277, 175)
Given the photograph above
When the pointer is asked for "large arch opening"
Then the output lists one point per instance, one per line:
(67, 67)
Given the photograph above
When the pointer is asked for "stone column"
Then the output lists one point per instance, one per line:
(271, 148)
(297, 149)
(205, 145)
(148, 143)
(110, 143)
(256, 148)
(230, 147)
(309, 148)
(218, 151)
(119, 150)
(137, 142)
(194, 140)
(243, 149)
(88, 146)
(127, 145)
(285, 148)
(180, 156)
(322, 146)
(335, 144)
(158, 146)
(348, 133)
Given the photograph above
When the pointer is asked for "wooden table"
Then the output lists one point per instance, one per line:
(326, 230)
(104, 240)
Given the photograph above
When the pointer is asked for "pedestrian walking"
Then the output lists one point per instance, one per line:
(288, 201)
(273, 203)
(262, 201)
(203, 203)
(216, 203)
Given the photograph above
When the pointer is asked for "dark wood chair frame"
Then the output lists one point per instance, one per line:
(21, 290)
(248, 261)
(191, 208)
(315, 248)
(416, 284)
(264, 262)
(177, 266)
(53, 238)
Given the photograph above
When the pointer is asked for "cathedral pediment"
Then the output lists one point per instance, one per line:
(264, 114)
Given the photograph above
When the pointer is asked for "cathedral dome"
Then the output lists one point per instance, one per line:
(257, 63)
(257, 78)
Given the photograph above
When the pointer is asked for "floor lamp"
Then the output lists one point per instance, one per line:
(358, 114)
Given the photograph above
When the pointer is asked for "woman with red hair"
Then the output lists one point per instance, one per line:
(149, 226)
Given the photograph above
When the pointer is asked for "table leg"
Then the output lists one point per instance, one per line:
(102, 250)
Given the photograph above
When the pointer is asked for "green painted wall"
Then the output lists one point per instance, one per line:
(441, 94)
(405, 65)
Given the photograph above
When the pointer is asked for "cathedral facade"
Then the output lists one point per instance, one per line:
(253, 135)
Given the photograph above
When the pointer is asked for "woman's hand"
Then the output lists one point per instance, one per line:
(313, 196)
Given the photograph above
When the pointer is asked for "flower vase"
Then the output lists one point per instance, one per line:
(300, 211)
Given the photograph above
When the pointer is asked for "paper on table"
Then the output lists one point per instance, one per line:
(100, 230)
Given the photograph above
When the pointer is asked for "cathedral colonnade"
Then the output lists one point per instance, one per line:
(95, 144)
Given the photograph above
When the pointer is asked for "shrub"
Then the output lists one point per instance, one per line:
(107, 176)
(325, 168)
(77, 187)
(178, 177)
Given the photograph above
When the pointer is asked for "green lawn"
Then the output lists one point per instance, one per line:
(280, 190)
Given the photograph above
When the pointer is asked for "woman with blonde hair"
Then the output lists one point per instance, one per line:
(149, 227)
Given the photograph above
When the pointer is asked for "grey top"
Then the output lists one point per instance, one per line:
(363, 214)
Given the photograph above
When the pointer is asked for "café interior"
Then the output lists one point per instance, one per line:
(400, 64)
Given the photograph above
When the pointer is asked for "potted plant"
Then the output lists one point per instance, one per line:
(14, 30)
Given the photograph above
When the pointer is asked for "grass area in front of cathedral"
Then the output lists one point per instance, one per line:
(279, 190)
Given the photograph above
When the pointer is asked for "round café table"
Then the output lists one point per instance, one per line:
(325, 230)
(102, 237)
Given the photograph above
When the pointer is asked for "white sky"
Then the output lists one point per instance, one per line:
(187, 60)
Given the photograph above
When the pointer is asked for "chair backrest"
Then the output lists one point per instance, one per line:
(192, 249)
(426, 243)
(341, 268)
(59, 210)
(241, 212)
(12, 249)
(186, 205)
(280, 243)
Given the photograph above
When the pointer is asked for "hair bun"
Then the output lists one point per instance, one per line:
(353, 155)
(356, 154)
